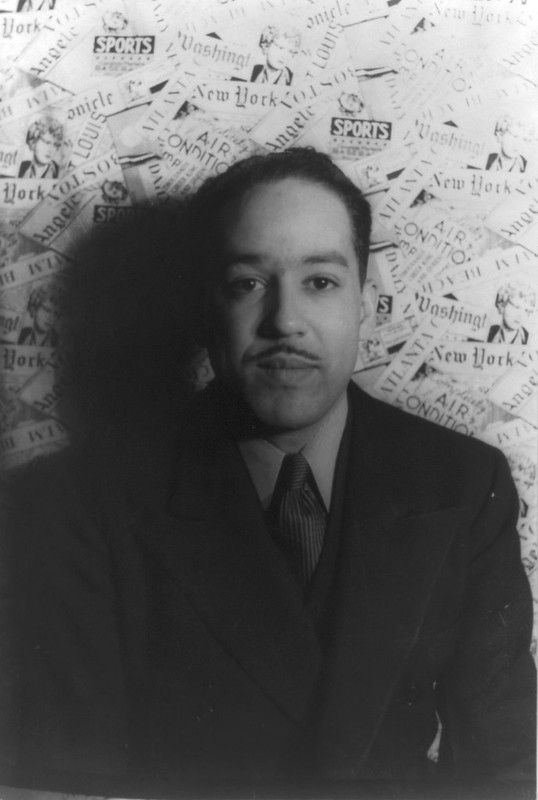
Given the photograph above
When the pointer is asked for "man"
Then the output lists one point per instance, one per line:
(43, 311)
(314, 585)
(279, 46)
(515, 302)
(512, 136)
(44, 138)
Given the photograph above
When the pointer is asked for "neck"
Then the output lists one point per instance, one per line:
(291, 441)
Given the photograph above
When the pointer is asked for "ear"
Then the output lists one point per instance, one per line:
(368, 309)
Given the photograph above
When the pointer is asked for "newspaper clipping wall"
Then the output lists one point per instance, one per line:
(431, 108)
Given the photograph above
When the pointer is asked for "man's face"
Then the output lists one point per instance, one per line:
(44, 149)
(277, 53)
(513, 314)
(288, 303)
(45, 317)
(511, 144)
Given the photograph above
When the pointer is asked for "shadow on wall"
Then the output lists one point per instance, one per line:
(128, 321)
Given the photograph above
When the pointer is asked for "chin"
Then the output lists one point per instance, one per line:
(285, 414)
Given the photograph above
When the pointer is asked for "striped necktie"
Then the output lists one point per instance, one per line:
(299, 516)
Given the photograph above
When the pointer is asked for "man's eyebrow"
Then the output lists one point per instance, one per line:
(251, 259)
(327, 257)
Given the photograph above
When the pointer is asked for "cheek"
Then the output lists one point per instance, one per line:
(274, 55)
(510, 144)
(340, 332)
(510, 314)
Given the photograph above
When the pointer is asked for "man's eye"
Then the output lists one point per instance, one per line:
(321, 283)
(244, 285)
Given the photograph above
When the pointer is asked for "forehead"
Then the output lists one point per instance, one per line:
(289, 213)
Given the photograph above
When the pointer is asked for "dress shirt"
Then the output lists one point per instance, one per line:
(263, 459)
(498, 162)
(280, 77)
(503, 335)
(29, 169)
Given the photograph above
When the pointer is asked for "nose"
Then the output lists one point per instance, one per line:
(283, 315)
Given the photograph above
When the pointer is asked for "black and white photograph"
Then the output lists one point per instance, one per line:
(268, 399)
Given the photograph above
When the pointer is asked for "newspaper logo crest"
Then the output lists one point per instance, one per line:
(350, 103)
(353, 134)
(135, 89)
(114, 207)
(114, 22)
(118, 49)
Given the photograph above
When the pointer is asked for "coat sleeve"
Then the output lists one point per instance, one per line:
(489, 689)
(70, 693)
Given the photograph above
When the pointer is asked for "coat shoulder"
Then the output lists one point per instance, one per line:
(425, 458)
(49, 506)
(42, 479)
(64, 475)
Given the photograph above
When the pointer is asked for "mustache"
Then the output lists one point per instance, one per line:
(280, 350)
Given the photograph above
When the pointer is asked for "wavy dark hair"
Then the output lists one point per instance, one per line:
(222, 192)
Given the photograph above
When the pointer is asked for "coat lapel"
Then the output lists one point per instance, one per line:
(215, 542)
(391, 556)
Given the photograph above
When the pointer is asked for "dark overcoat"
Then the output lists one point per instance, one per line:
(163, 645)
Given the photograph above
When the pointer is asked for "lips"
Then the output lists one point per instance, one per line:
(286, 371)
(286, 363)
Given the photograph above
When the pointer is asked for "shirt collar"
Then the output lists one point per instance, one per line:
(504, 335)
(512, 164)
(263, 459)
